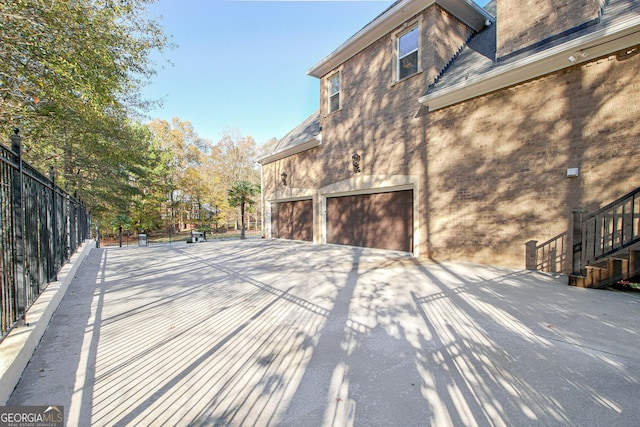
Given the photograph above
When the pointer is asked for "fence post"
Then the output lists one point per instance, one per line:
(53, 271)
(67, 224)
(18, 227)
(531, 255)
(576, 253)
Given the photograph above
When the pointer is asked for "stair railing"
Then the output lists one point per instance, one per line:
(606, 231)
(550, 256)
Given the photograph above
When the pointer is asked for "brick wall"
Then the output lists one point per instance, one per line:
(522, 23)
(496, 169)
(379, 117)
(492, 169)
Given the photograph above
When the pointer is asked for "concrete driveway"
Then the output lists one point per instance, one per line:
(265, 332)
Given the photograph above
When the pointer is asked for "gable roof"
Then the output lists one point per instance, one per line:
(475, 71)
(395, 15)
(306, 135)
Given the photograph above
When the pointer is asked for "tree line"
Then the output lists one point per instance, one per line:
(71, 75)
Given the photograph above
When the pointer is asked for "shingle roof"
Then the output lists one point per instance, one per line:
(308, 131)
(478, 57)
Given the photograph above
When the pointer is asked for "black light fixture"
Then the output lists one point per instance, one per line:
(355, 160)
(283, 178)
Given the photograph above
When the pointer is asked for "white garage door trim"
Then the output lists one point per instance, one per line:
(369, 184)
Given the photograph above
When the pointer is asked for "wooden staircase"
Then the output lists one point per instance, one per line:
(610, 271)
(606, 247)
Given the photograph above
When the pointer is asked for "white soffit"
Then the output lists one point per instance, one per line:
(622, 35)
(466, 10)
(312, 143)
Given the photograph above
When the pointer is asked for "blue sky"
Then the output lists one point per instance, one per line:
(241, 65)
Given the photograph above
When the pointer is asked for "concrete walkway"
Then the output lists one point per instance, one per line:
(264, 332)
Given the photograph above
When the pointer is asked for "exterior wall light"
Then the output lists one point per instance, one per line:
(283, 178)
(572, 172)
(355, 160)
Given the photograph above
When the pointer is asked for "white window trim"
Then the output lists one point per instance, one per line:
(339, 92)
(395, 40)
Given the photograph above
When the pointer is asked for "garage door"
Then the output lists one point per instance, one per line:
(292, 220)
(381, 220)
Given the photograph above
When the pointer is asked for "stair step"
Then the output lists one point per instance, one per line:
(578, 281)
(601, 264)
(620, 257)
(597, 267)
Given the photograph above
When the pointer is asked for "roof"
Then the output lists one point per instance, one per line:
(465, 10)
(303, 137)
(308, 134)
(475, 71)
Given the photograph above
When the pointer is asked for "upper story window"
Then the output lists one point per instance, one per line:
(334, 92)
(408, 53)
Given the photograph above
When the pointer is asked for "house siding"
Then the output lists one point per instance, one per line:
(487, 174)
(379, 118)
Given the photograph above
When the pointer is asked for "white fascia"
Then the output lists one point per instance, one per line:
(307, 145)
(622, 35)
(466, 10)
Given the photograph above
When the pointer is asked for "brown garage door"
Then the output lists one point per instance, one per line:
(292, 220)
(381, 220)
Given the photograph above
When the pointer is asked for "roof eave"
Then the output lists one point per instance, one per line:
(608, 40)
(465, 10)
(307, 145)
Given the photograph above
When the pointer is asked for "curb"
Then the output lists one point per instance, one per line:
(18, 346)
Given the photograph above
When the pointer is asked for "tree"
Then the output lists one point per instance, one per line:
(70, 78)
(234, 158)
(183, 154)
(81, 56)
(240, 194)
(120, 222)
(231, 160)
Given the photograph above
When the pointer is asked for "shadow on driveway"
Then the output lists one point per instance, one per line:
(267, 332)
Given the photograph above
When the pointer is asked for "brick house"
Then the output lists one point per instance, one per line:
(459, 132)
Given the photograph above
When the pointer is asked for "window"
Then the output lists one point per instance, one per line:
(334, 92)
(408, 43)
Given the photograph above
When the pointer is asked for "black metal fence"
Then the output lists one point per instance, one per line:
(41, 226)
(228, 230)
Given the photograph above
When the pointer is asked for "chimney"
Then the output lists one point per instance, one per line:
(524, 23)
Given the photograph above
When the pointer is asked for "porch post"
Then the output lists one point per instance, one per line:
(576, 253)
(530, 255)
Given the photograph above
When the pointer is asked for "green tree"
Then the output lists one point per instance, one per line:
(71, 74)
(82, 55)
(120, 222)
(240, 194)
